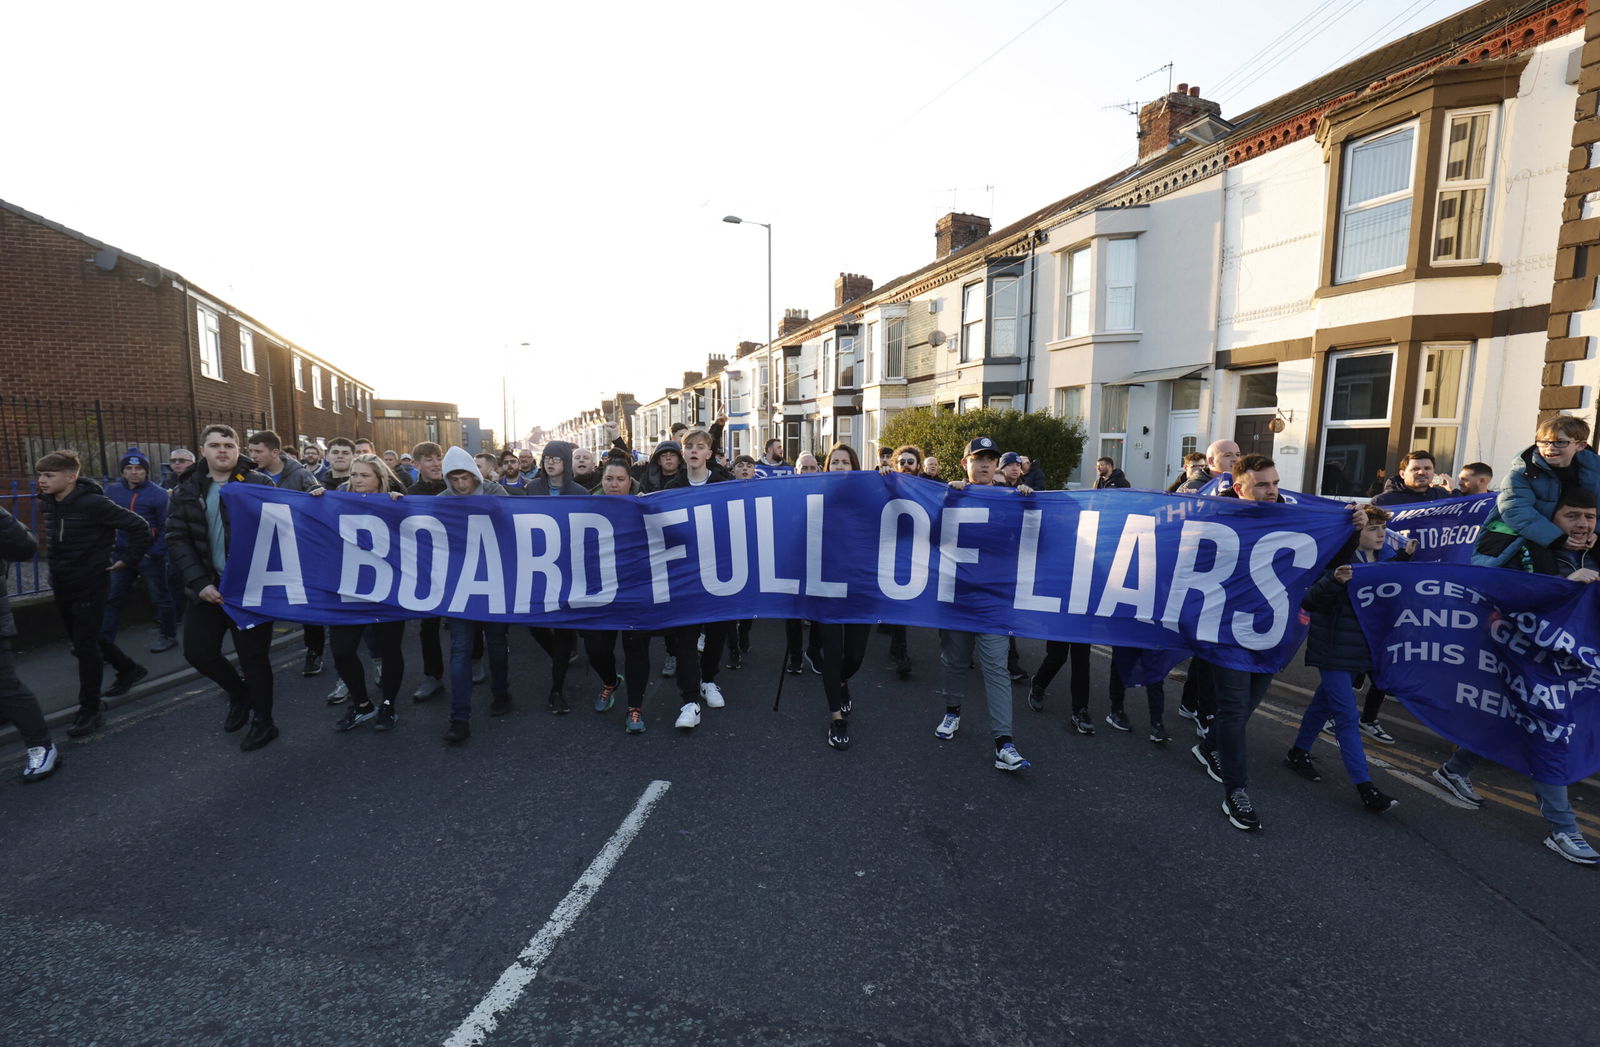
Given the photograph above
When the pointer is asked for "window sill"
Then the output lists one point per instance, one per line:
(1108, 337)
(214, 378)
(1406, 276)
(886, 381)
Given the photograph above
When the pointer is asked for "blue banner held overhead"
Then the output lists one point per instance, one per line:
(1214, 575)
(1446, 530)
(1500, 662)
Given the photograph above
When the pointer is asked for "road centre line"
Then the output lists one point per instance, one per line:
(514, 981)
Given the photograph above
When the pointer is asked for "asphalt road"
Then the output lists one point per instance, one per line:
(165, 888)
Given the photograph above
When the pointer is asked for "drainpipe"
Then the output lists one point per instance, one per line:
(1037, 238)
(1209, 396)
(188, 362)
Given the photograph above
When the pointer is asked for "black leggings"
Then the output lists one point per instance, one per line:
(1056, 654)
(843, 648)
(559, 645)
(601, 647)
(347, 658)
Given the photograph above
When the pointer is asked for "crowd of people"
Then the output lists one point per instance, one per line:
(174, 534)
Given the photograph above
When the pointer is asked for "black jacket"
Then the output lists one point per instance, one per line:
(188, 537)
(717, 475)
(17, 544)
(1115, 479)
(654, 479)
(426, 487)
(80, 527)
(540, 484)
(1336, 640)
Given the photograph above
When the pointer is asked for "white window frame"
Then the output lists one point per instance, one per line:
(844, 430)
(974, 307)
(333, 392)
(894, 349)
(825, 371)
(838, 363)
(1113, 438)
(1347, 210)
(968, 403)
(1427, 416)
(1000, 403)
(210, 331)
(247, 349)
(1392, 352)
(1466, 184)
(869, 356)
(1062, 399)
(1121, 285)
(1077, 291)
(299, 373)
(1001, 347)
(316, 386)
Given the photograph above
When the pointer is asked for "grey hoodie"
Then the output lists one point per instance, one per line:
(460, 460)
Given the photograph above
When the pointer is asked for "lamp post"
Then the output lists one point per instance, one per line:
(736, 220)
(507, 399)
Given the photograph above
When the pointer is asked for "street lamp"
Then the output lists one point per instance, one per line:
(507, 400)
(736, 220)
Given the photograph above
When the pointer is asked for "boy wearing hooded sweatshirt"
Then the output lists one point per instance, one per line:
(666, 462)
(697, 669)
(137, 493)
(464, 480)
(556, 478)
(80, 521)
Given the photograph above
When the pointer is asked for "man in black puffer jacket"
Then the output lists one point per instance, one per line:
(197, 540)
(17, 703)
(81, 525)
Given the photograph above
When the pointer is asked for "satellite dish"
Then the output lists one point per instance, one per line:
(938, 338)
(106, 259)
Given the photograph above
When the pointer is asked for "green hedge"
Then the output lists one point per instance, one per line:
(1056, 445)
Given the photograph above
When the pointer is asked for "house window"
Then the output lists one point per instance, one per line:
(1121, 263)
(210, 343)
(1375, 204)
(846, 361)
(368, 397)
(247, 349)
(1356, 420)
(894, 349)
(1069, 402)
(1075, 295)
(791, 441)
(1258, 390)
(765, 398)
(999, 403)
(972, 322)
(1113, 421)
(1439, 405)
(791, 376)
(1462, 205)
(966, 404)
(1005, 305)
(845, 428)
(825, 371)
(1186, 394)
(868, 356)
(316, 385)
(333, 392)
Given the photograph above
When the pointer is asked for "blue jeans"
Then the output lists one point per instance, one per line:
(1553, 801)
(462, 631)
(153, 569)
(956, 651)
(1336, 697)
(1238, 693)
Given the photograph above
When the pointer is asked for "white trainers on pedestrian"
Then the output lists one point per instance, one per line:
(1374, 730)
(711, 694)
(1458, 786)
(948, 726)
(427, 689)
(1006, 758)
(42, 761)
(1330, 728)
(339, 693)
(688, 716)
(1571, 846)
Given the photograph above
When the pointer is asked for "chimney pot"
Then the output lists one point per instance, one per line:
(1159, 120)
(1194, 92)
(1183, 89)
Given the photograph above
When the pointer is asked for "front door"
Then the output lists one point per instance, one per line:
(1250, 432)
(1183, 437)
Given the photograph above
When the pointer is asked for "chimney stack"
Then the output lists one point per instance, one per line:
(745, 349)
(691, 377)
(849, 287)
(793, 320)
(715, 363)
(955, 231)
(1159, 121)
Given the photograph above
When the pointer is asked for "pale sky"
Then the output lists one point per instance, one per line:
(406, 189)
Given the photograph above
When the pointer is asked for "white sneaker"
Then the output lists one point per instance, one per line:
(1006, 758)
(427, 689)
(948, 726)
(711, 694)
(42, 760)
(688, 716)
(339, 693)
(1571, 846)
(1374, 730)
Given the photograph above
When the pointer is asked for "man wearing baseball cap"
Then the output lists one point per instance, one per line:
(957, 649)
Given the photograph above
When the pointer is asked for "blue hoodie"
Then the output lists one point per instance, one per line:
(148, 499)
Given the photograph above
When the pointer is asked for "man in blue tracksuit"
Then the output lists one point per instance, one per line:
(136, 491)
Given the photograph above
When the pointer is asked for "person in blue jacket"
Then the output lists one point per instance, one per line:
(1559, 460)
(136, 491)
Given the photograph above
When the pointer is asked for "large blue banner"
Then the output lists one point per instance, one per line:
(1498, 661)
(1446, 530)
(1217, 576)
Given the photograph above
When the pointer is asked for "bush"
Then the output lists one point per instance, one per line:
(1056, 445)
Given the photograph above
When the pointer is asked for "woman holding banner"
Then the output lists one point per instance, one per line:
(844, 645)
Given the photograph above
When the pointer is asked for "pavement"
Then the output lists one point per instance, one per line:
(165, 888)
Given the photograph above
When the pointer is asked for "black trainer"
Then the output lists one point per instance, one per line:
(1373, 800)
(125, 681)
(458, 732)
(386, 717)
(558, 702)
(86, 723)
(1036, 698)
(902, 668)
(260, 733)
(354, 717)
(844, 696)
(238, 715)
(1210, 761)
(1300, 762)
(313, 666)
(839, 734)
(499, 705)
(1241, 813)
(1082, 724)
(735, 658)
